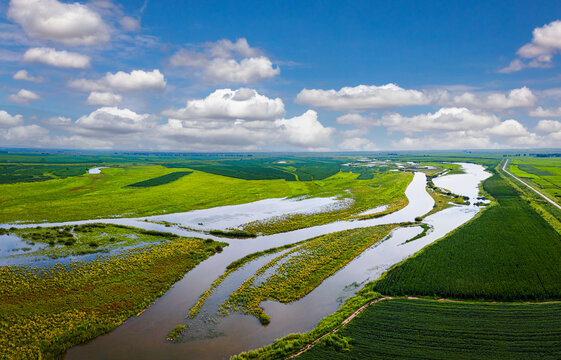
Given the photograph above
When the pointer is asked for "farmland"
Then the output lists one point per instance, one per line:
(508, 253)
(404, 328)
(541, 173)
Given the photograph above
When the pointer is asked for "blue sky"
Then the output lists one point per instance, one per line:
(275, 76)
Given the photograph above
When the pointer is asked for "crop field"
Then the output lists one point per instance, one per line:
(44, 311)
(425, 329)
(509, 253)
(542, 173)
(10, 174)
(161, 180)
(300, 270)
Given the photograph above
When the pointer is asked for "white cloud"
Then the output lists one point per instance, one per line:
(112, 121)
(68, 23)
(9, 120)
(17, 134)
(516, 98)
(225, 61)
(243, 103)
(449, 140)
(24, 75)
(52, 57)
(508, 128)
(362, 97)
(548, 126)
(357, 144)
(104, 99)
(23, 96)
(305, 131)
(445, 119)
(546, 41)
(136, 80)
(541, 112)
(357, 120)
(129, 23)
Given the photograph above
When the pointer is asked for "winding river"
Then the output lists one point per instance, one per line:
(143, 337)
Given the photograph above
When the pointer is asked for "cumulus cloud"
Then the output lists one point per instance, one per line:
(446, 141)
(305, 130)
(541, 112)
(357, 144)
(363, 97)
(226, 61)
(104, 99)
(112, 121)
(445, 119)
(17, 134)
(546, 42)
(52, 57)
(7, 120)
(136, 80)
(516, 98)
(508, 128)
(243, 103)
(548, 126)
(24, 75)
(68, 23)
(23, 96)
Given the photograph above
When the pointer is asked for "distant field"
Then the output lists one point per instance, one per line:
(10, 174)
(542, 173)
(508, 253)
(161, 180)
(106, 194)
(423, 329)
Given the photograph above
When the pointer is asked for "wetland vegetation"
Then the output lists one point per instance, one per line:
(507, 253)
(44, 311)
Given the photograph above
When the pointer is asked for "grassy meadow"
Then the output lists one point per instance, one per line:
(109, 193)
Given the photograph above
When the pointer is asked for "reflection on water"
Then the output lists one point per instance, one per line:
(143, 337)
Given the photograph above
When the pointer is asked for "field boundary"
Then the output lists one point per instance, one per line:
(385, 298)
(343, 323)
(523, 182)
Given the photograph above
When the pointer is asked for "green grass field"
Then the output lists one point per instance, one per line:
(424, 329)
(107, 194)
(508, 253)
(542, 173)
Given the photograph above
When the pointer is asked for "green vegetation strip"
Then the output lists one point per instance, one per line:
(161, 180)
(508, 253)
(414, 329)
(83, 239)
(387, 188)
(235, 265)
(300, 270)
(44, 311)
